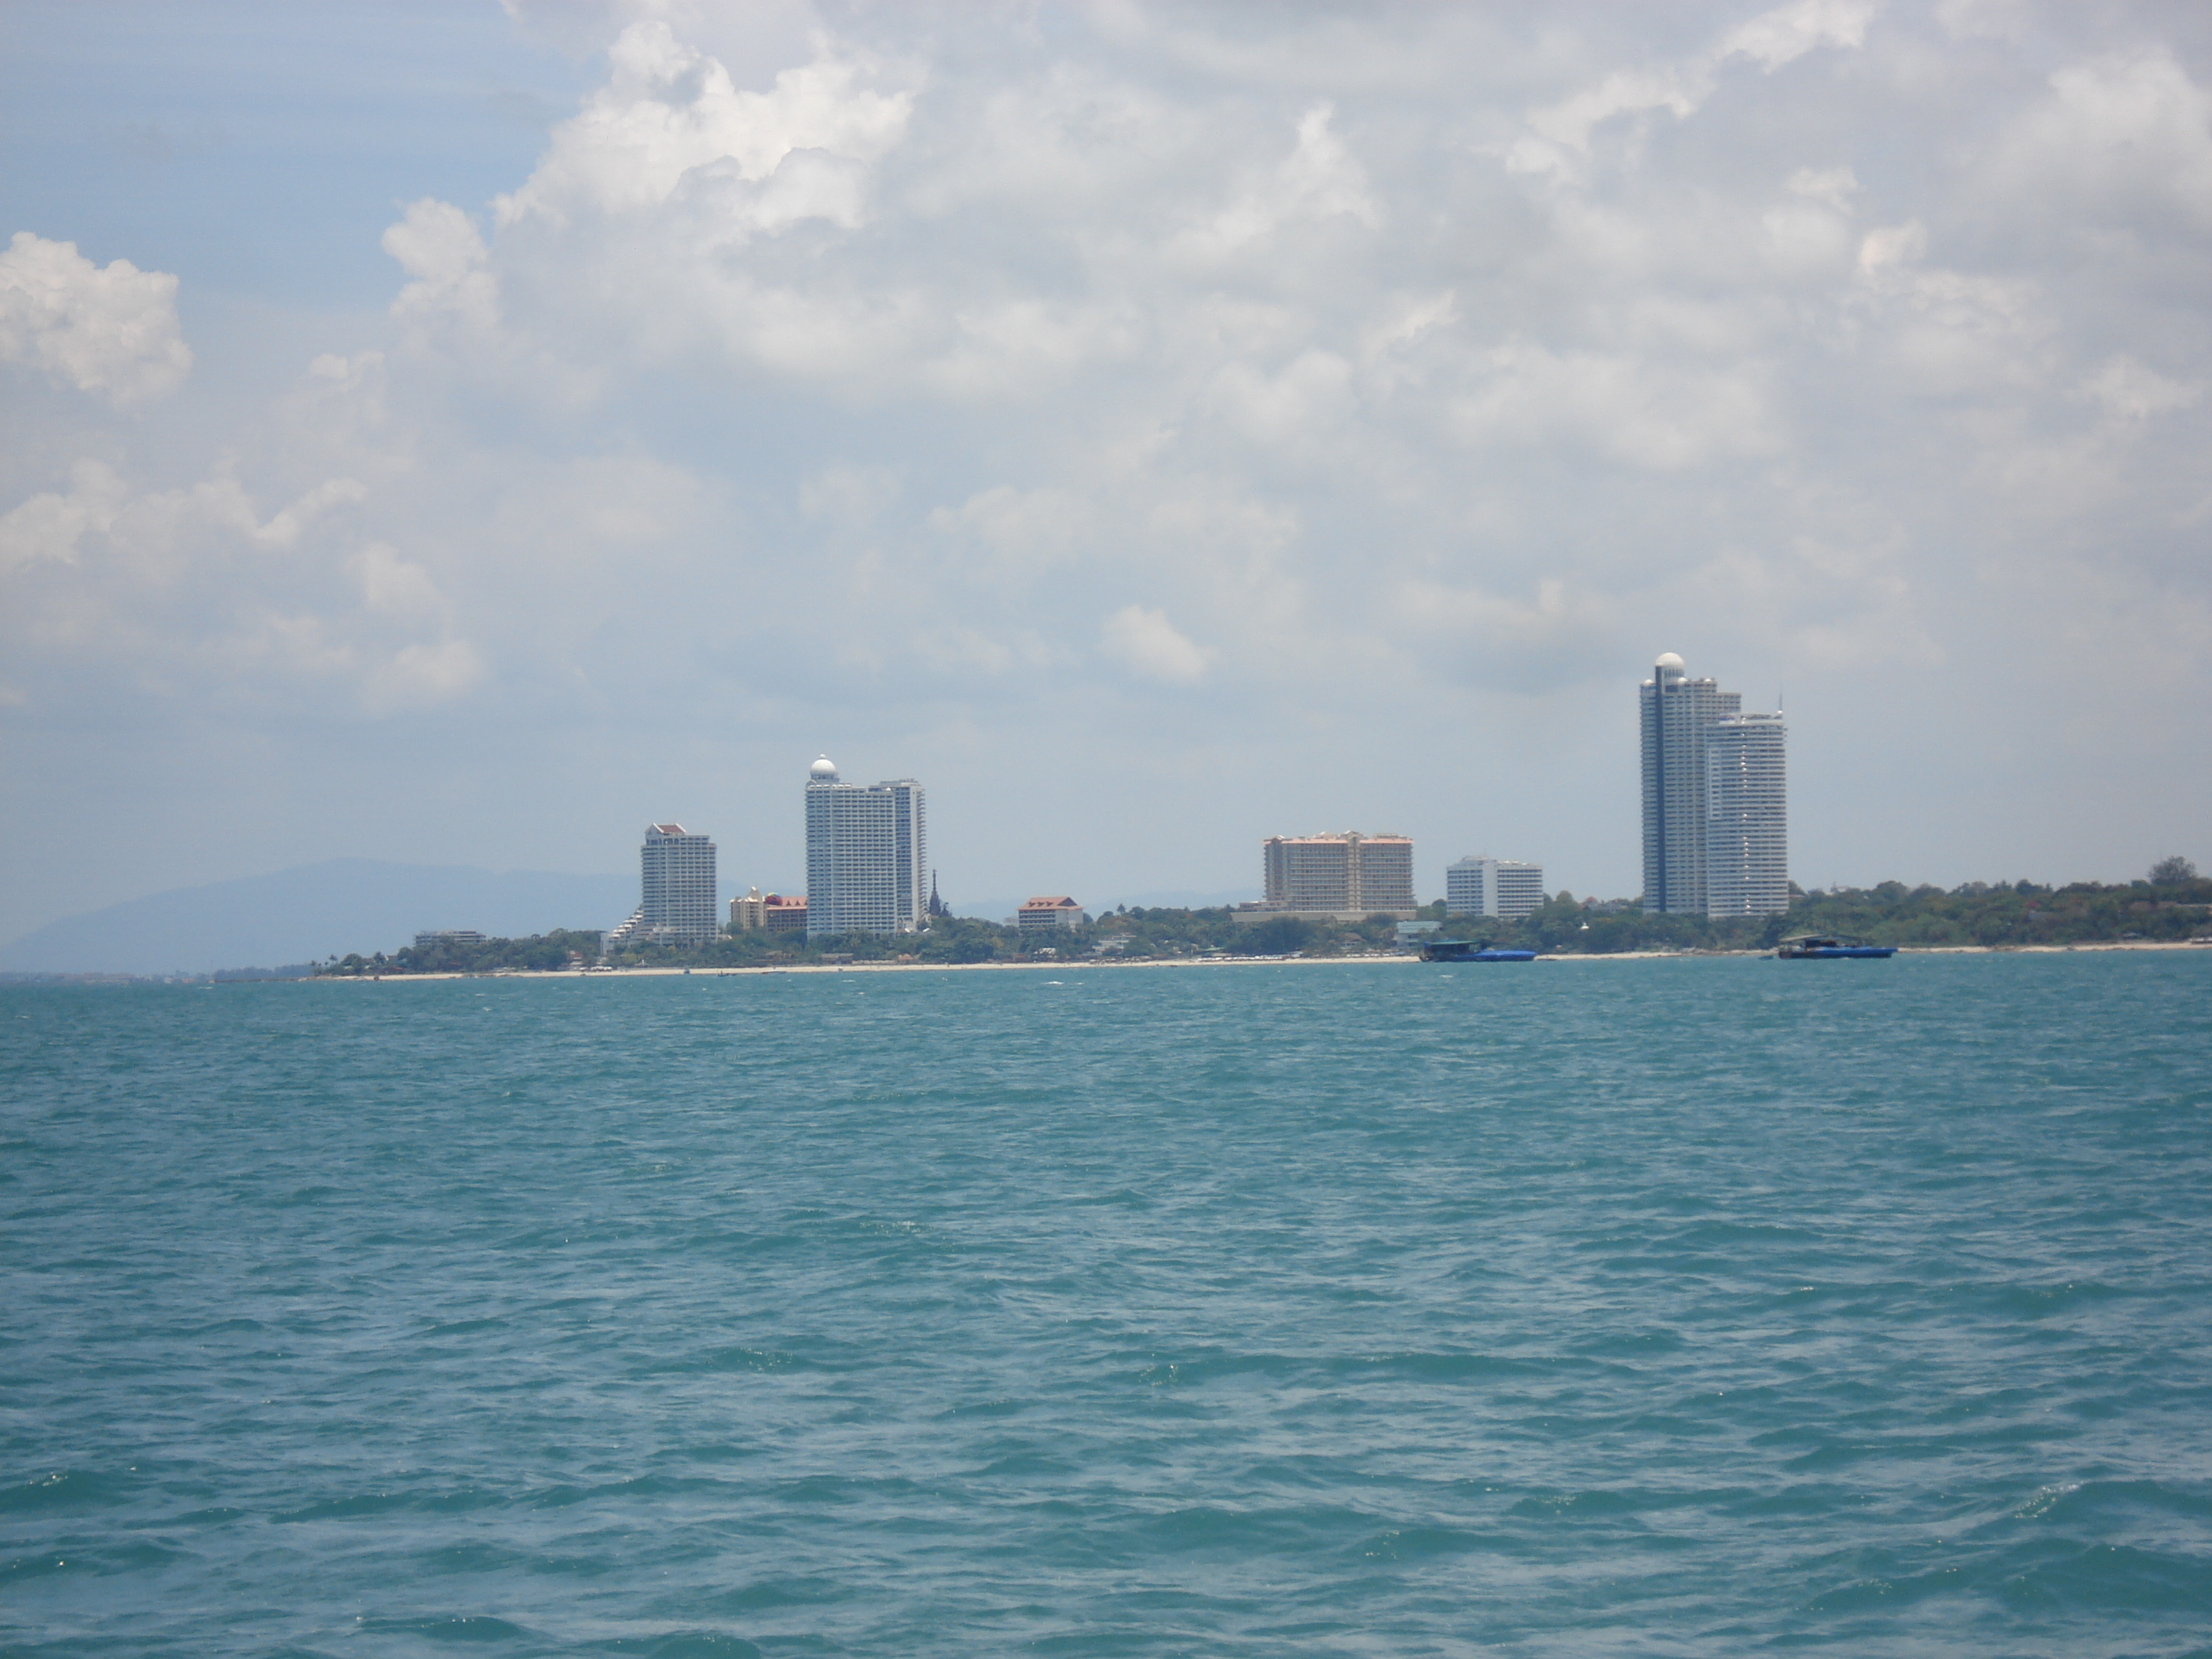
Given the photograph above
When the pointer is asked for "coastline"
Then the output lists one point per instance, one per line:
(1088, 963)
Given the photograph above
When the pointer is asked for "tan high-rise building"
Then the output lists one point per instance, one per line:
(1346, 875)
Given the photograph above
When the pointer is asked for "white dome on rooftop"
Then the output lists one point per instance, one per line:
(823, 771)
(1670, 661)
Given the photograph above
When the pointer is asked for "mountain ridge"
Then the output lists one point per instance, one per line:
(311, 911)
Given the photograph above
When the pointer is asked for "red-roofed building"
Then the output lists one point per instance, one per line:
(1051, 913)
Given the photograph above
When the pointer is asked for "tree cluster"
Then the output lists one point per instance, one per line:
(564, 947)
(1994, 914)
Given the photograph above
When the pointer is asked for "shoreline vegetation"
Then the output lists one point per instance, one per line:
(1975, 917)
(2171, 909)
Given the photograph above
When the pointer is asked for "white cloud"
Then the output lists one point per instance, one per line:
(420, 677)
(1948, 331)
(283, 530)
(1147, 643)
(1785, 34)
(393, 587)
(177, 589)
(2121, 134)
(1560, 135)
(439, 246)
(1647, 413)
(670, 110)
(2129, 390)
(110, 330)
(49, 526)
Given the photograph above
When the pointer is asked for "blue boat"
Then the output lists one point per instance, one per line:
(1817, 947)
(1464, 950)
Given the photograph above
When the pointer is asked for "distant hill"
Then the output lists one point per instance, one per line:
(312, 912)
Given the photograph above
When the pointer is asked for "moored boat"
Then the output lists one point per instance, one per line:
(1820, 947)
(1464, 950)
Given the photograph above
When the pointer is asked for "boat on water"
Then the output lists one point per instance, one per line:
(1818, 947)
(1464, 950)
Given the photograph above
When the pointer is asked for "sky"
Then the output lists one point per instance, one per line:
(462, 435)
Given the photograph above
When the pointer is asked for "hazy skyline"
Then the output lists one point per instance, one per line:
(465, 436)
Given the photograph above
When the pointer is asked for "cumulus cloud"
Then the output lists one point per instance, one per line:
(2120, 135)
(1557, 143)
(2127, 390)
(420, 677)
(441, 248)
(668, 112)
(1147, 643)
(49, 524)
(191, 588)
(110, 330)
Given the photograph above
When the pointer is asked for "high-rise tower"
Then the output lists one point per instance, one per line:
(1715, 817)
(866, 861)
(1746, 817)
(676, 903)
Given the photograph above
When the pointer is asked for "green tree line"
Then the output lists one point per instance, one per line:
(1995, 914)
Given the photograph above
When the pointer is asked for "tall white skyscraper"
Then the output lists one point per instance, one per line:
(1746, 817)
(1484, 886)
(866, 862)
(676, 903)
(1715, 817)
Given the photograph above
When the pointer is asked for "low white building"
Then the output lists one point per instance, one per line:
(1483, 886)
(448, 936)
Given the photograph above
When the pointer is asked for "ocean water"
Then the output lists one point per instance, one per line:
(1680, 1307)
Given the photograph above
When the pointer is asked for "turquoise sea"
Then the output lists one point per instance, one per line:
(1685, 1306)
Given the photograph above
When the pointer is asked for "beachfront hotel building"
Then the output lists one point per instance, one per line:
(749, 915)
(768, 913)
(1483, 886)
(676, 899)
(676, 905)
(865, 859)
(1715, 841)
(1349, 875)
(1049, 913)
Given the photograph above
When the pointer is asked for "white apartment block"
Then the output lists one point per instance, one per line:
(1747, 816)
(1483, 886)
(1348, 874)
(676, 903)
(865, 863)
